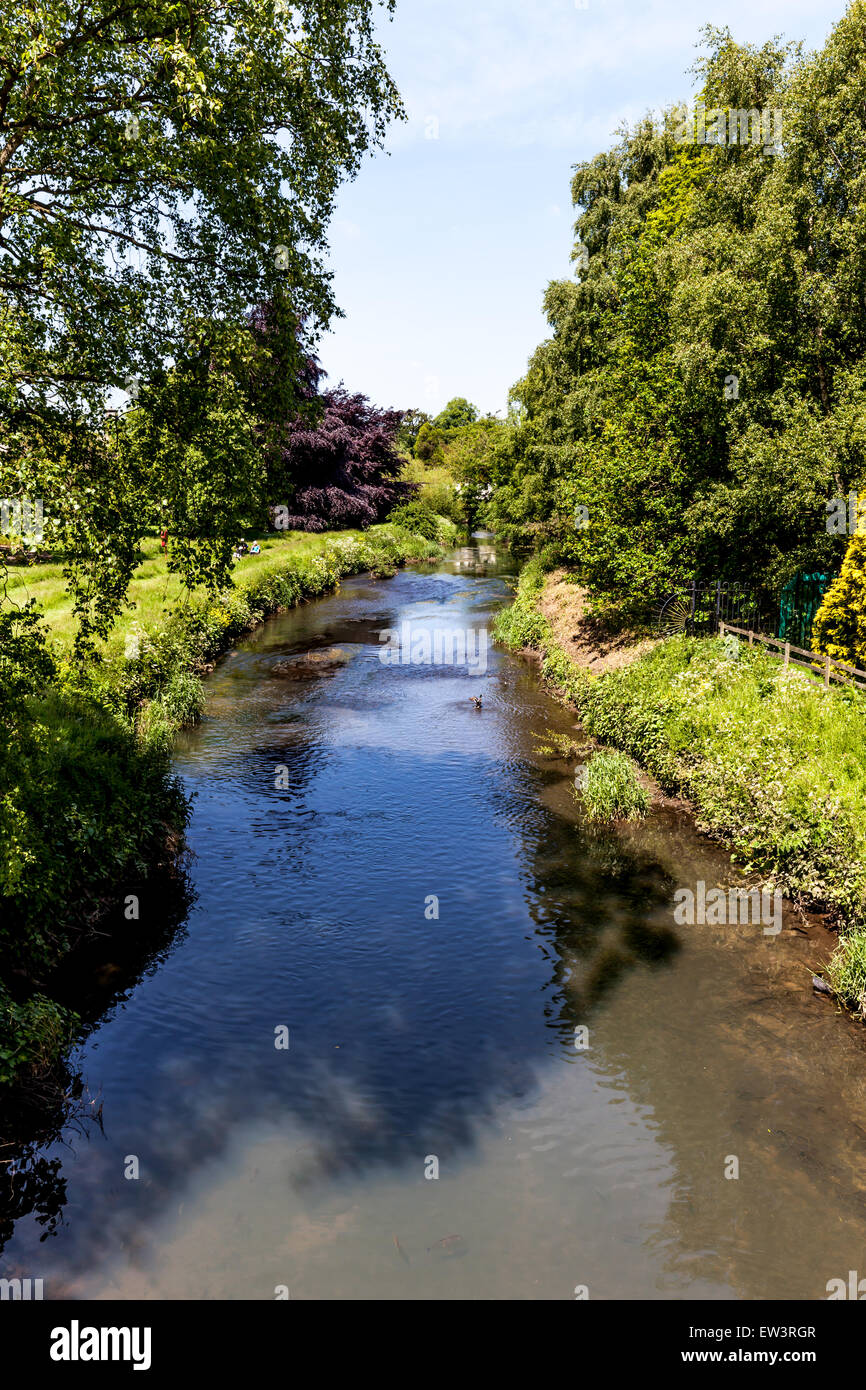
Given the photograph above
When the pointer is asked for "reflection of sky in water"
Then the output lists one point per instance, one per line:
(413, 1035)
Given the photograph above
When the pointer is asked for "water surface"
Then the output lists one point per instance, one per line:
(336, 798)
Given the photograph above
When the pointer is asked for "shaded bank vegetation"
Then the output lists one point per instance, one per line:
(88, 802)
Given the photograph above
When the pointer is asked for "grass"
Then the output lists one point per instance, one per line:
(610, 788)
(154, 592)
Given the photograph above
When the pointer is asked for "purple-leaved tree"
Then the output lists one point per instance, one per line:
(341, 470)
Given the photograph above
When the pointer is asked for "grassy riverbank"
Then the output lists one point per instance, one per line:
(88, 802)
(773, 764)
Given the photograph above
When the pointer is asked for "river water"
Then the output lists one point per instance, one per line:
(400, 887)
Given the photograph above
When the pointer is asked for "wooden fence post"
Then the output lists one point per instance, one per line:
(827, 673)
(751, 638)
(787, 653)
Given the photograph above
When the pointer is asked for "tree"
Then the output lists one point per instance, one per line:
(163, 166)
(471, 456)
(340, 470)
(428, 443)
(703, 392)
(410, 425)
(457, 413)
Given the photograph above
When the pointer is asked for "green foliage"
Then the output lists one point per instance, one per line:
(611, 789)
(33, 1033)
(435, 488)
(420, 518)
(84, 803)
(409, 429)
(455, 415)
(520, 625)
(428, 443)
(703, 391)
(471, 455)
(25, 662)
(846, 970)
(165, 169)
(840, 623)
(162, 183)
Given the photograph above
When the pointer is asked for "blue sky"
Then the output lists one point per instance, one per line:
(442, 249)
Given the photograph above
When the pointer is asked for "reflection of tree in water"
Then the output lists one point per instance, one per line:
(92, 981)
(729, 1071)
(601, 902)
(30, 1182)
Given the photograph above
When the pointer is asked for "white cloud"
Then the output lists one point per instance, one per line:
(517, 73)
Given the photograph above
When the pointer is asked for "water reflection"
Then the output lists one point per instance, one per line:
(406, 885)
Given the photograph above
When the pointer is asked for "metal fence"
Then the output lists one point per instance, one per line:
(698, 609)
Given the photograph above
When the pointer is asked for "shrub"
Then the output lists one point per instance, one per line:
(32, 1035)
(847, 970)
(611, 790)
(839, 629)
(521, 625)
(420, 518)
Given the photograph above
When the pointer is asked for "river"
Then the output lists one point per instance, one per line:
(358, 1070)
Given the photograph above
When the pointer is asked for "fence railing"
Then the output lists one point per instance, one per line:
(818, 662)
(697, 608)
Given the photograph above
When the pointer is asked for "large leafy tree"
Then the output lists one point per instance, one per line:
(703, 393)
(164, 167)
(455, 415)
(339, 469)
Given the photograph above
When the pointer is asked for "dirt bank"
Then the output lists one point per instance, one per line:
(585, 640)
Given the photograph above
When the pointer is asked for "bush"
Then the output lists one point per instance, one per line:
(521, 625)
(847, 970)
(839, 629)
(32, 1035)
(423, 521)
(84, 804)
(611, 790)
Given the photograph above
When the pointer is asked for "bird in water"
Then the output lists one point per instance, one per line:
(476, 700)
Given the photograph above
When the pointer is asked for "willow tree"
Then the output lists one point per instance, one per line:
(164, 168)
(703, 391)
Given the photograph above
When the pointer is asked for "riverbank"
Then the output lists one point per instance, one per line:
(772, 764)
(313, 905)
(89, 805)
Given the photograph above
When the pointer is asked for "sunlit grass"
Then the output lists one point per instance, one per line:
(154, 593)
(610, 788)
